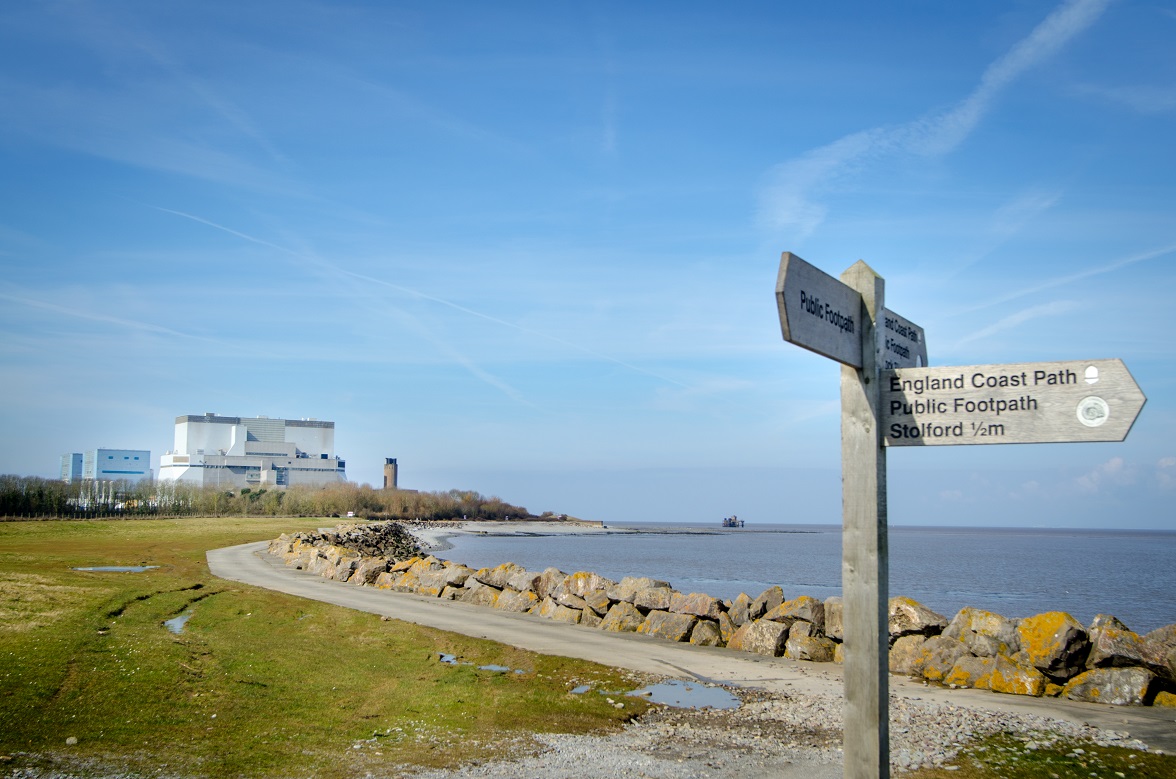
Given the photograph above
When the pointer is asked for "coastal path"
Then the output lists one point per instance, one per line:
(250, 564)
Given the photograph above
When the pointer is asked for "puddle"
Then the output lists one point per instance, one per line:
(687, 695)
(176, 624)
(452, 660)
(583, 688)
(117, 568)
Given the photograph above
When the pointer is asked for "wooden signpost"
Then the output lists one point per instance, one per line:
(1017, 403)
(890, 398)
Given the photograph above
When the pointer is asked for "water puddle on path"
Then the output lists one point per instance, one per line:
(117, 568)
(687, 695)
(176, 624)
(449, 659)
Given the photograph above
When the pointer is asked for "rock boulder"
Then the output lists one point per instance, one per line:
(1115, 686)
(763, 637)
(1053, 643)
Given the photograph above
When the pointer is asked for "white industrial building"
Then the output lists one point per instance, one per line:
(230, 452)
(107, 465)
(71, 467)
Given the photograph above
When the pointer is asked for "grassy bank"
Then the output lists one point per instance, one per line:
(258, 683)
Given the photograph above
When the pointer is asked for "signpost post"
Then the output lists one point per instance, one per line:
(890, 398)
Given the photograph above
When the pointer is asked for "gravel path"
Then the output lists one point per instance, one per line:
(770, 735)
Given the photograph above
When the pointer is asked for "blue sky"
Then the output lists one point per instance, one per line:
(531, 248)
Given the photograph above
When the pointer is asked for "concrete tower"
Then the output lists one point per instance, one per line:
(390, 473)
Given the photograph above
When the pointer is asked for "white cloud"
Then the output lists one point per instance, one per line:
(1059, 281)
(1166, 473)
(940, 134)
(789, 201)
(1141, 99)
(1113, 473)
(1012, 321)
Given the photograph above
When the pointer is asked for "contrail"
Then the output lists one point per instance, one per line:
(423, 296)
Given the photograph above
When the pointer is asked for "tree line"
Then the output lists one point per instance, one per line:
(32, 497)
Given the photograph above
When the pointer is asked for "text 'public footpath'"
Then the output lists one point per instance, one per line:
(957, 405)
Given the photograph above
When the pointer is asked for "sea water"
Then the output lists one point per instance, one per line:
(1014, 572)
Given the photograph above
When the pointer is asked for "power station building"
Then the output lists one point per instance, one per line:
(107, 465)
(231, 452)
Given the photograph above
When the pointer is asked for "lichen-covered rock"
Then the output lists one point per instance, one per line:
(456, 575)
(548, 582)
(598, 601)
(1115, 686)
(1112, 647)
(345, 568)
(1053, 643)
(985, 633)
(565, 598)
(971, 671)
(281, 545)
(653, 598)
(406, 581)
(590, 619)
(581, 583)
(319, 564)
(484, 595)
(727, 627)
(906, 655)
(938, 655)
(498, 576)
(907, 617)
(697, 603)
(765, 602)
(368, 569)
(1105, 621)
(451, 593)
(1165, 636)
(739, 608)
(384, 580)
(1165, 699)
(400, 566)
(626, 589)
(516, 601)
(814, 648)
(707, 633)
(549, 609)
(763, 637)
(801, 609)
(834, 618)
(1161, 651)
(668, 625)
(1012, 679)
(523, 581)
(432, 582)
(623, 617)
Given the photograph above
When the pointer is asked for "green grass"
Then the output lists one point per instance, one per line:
(1021, 756)
(258, 683)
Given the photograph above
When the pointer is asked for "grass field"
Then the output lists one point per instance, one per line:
(258, 683)
(262, 684)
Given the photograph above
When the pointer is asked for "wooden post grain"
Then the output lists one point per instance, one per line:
(864, 567)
